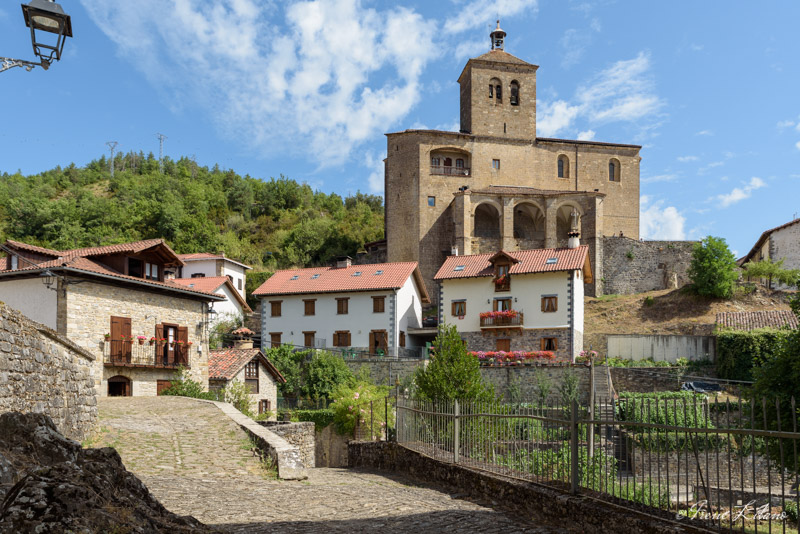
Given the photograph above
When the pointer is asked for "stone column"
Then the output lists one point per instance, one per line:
(463, 222)
(550, 223)
(507, 227)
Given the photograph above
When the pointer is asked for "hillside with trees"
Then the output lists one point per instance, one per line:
(269, 224)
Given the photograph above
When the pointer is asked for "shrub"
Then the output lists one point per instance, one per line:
(320, 418)
(713, 269)
(452, 373)
(739, 352)
(674, 408)
(290, 364)
(238, 394)
(184, 386)
(323, 374)
(351, 409)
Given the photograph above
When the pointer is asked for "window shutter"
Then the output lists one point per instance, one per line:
(182, 351)
(555, 304)
(544, 300)
(349, 343)
(116, 333)
(542, 344)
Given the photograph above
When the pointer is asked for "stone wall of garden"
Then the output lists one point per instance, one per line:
(633, 266)
(649, 379)
(522, 380)
(43, 372)
(387, 371)
(301, 435)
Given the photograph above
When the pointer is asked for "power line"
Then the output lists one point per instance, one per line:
(161, 138)
(112, 145)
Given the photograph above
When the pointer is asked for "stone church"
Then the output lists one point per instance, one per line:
(495, 185)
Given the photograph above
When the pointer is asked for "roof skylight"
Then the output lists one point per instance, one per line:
(295, 277)
(314, 277)
(459, 267)
(357, 273)
(551, 261)
(378, 273)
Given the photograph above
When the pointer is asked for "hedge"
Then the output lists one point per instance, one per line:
(320, 418)
(673, 408)
(738, 352)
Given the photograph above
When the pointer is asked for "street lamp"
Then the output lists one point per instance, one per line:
(42, 16)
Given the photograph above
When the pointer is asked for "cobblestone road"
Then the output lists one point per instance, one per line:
(197, 462)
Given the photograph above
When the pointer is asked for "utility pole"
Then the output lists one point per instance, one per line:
(161, 138)
(112, 145)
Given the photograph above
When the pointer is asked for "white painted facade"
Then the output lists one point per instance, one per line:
(31, 297)
(209, 267)
(526, 294)
(402, 309)
(228, 308)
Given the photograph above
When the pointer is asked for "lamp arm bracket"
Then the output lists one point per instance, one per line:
(9, 63)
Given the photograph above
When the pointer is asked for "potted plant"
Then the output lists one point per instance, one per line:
(106, 337)
(152, 340)
(141, 339)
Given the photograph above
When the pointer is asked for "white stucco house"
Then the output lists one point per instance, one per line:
(203, 264)
(526, 300)
(779, 243)
(353, 308)
(234, 303)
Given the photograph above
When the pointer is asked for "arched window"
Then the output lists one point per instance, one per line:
(459, 163)
(435, 162)
(514, 98)
(498, 90)
(448, 162)
(613, 170)
(563, 166)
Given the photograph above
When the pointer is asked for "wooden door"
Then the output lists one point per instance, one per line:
(161, 385)
(503, 344)
(378, 341)
(182, 350)
(171, 335)
(120, 350)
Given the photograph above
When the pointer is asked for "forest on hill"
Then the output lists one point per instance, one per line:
(268, 224)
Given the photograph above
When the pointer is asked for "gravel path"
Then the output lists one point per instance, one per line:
(197, 462)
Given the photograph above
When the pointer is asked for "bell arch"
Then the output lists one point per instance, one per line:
(529, 225)
(564, 221)
(487, 220)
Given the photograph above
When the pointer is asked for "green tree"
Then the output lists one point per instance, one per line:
(323, 374)
(770, 270)
(713, 268)
(290, 364)
(452, 373)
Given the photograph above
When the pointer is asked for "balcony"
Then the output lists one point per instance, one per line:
(156, 356)
(502, 283)
(502, 319)
(449, 170)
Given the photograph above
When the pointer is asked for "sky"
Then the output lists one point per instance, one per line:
(308, 88)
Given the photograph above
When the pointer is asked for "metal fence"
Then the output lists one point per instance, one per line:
(730, 466)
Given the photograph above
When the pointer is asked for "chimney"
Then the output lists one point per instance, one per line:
(221, 253)
(574, 239)
(343, 262)
(454, 251)
(244, 339)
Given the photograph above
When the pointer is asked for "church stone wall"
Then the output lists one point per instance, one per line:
(633, 266)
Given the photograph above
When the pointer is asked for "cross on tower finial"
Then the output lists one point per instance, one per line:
(497, 37)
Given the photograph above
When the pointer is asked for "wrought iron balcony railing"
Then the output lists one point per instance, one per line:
(449, 170)
(502, 321)
(118, 353)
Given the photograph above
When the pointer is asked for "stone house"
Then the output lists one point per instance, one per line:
(779, 243)
(526, 300)
(243, 363)
(115, 303)
(204, 264)
(351, 308)
(234, 303)
(495, 185)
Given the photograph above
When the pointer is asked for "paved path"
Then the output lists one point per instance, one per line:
(197, 462)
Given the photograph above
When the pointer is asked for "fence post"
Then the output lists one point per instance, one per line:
(574, 467)
(456, 432)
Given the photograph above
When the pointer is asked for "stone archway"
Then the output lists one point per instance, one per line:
(564, 222)
(119, 386)
(487, 221)
(529, 226)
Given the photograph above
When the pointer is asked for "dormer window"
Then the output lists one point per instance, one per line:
(151, 271)
(14, 261)
(502, 278)
(135, 268)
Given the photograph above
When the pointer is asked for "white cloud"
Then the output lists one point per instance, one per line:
(705, 132)
(660, 178)
(685, 159)
(479, 12)
(469, 49)
(712, 165)
(376, 166)
(623, 92)
(797, 145)
(595, 25)
(696, 47)
(586, 135)
(740, 193)
(573, 43)
(785, 124)
(658, 222)
(555, 117)
(308, 85)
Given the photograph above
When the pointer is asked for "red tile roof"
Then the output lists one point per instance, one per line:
(224, 364)
(763, 238)
(757, 319)
(210, 284)
(81, 260)
(528, 261)
(332, 280)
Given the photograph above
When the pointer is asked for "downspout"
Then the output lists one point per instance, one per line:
(576, 167)
(393, 320)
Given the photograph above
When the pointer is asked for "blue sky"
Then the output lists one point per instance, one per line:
(307, 89)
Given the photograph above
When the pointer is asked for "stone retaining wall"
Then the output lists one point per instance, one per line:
(301, 435)
(43, 372)
(633, 266)
(529, 339)
(523, 379)
(649, 379)
(551, 506)
(387, 371)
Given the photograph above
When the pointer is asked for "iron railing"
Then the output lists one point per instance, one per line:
(118, 353)
(728, 466)
(502, 322)
(449, 170)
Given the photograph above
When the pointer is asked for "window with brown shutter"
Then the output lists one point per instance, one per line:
(378, 304)
(182, 348)
(276, 308)
(275, 339)
(341, 338)
(402, 339)
(308, 339)
(310, 306)
(502, 304)
(549, 304)
(251, 376)
(459, 307)
(264, 406)
(549, 343)
(120, 346)
(342, 305)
